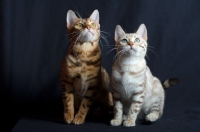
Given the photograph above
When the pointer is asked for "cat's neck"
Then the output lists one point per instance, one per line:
(131, 60)
(134, 64)
(86, 51)
(83, 48)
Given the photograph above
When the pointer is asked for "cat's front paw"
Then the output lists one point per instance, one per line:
(129, 123)
(78, 120)
(68, 117)
(116, 122)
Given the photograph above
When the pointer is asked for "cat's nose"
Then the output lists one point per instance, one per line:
(130, 43)
(88, 27)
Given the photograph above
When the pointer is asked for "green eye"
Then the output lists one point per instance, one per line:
(79, 25)
(93, 25)
(137, 40)
(124, 41)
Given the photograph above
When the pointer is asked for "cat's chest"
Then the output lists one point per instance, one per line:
(129, 81)
(132, 76)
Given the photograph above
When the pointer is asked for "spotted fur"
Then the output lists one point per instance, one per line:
(83, 80)
(136, 92)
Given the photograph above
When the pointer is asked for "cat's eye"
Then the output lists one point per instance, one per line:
(79, 25)
(137, 40)
(124, 41)
(93, 25)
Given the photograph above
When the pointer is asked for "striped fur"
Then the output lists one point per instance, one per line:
(137, 93)
(83, 80)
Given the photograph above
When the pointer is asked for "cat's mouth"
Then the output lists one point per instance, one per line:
(89, 32)
(132, 49)
(87, 36)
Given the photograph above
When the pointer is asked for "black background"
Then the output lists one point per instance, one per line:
(34, 41)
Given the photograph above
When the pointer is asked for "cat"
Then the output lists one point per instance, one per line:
(83, 80)
(137, 94)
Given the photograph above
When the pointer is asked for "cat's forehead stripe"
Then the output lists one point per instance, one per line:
(131, 36)
(86, 20)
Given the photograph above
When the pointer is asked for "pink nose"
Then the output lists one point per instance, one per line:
(88, 27)
(130, 43)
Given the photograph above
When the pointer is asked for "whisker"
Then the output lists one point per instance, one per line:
(106, 33)
(105, 39)
(110, 51)
(147, 57)
(114, 45)
(153, 52)
(150, 47)
(75, 35)
(77, 38)
(75, 42)
(117, 54)
(71, 39)
(124, 51)
(101, 45)
(78, 14)
(72, 33)
(70, 48)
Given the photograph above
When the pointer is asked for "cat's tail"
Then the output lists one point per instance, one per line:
(170, 82)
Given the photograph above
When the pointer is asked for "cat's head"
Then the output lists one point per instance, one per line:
(83, 30)
(131, 44)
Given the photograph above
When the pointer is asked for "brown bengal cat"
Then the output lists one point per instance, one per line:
(83, 79)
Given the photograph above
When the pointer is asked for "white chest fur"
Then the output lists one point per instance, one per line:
(128, 77)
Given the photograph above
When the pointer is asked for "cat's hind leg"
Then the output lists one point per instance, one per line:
(155, 112)
(157, 99)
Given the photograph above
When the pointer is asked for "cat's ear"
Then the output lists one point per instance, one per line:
(71, 18)
(118, 32)
(142, 32)
(95, 16)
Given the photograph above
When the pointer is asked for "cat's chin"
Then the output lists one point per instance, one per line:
(89, 37)
(133, 53)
